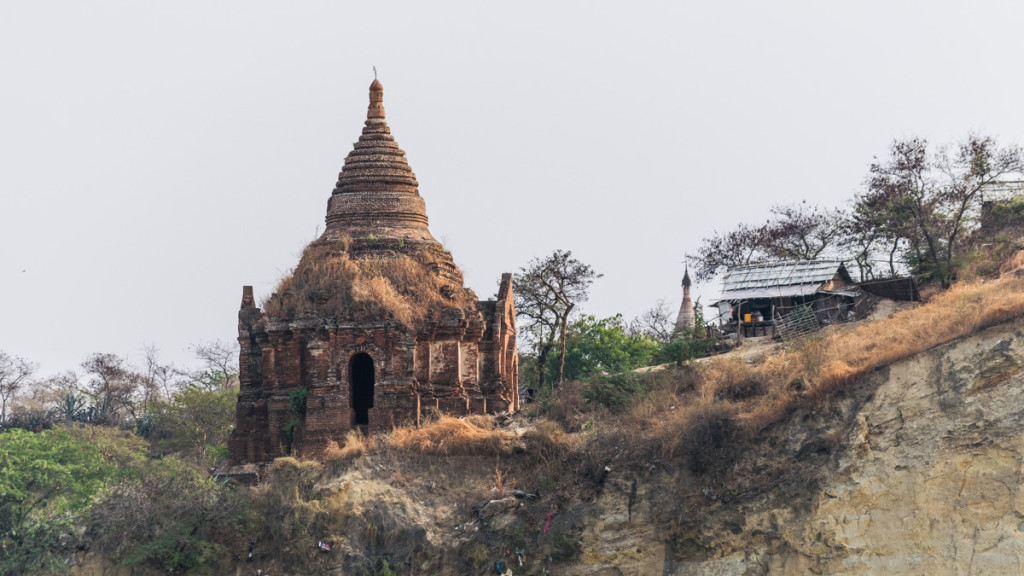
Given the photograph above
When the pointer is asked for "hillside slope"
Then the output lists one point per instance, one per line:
(917, 469)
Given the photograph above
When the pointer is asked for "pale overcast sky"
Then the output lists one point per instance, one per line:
(159, 155)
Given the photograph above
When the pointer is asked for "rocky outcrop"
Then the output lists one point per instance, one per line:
(917, 470)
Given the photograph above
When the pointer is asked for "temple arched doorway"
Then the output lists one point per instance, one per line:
(361, 372)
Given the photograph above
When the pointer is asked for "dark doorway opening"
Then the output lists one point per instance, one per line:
(361, 371)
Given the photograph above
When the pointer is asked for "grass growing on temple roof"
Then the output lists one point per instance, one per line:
(329, 281)
(455, 436)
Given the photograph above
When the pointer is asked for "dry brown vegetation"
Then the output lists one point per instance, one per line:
(329, 280)
(355, 444)
(732, 399)
(455, 436)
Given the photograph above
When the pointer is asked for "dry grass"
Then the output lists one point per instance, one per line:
(355, 445)
(820, 365)
(547, 441)
(455, 436)
(329, 281)
(331, 453)
(962, 310)
(734, 399)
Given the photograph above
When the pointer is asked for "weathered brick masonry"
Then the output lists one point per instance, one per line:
(343, 334)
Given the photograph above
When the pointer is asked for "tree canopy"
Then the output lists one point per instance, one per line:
(917, 214)
(792, 232)
(931, 198)
(547, 291)
(596, 345)
(47, 479)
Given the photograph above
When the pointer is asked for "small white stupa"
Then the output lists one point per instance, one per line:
(687, 319)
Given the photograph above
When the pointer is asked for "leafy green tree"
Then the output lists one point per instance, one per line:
(196, 422)
(605, 345)
(47, 480)
(687, 345)
(166, 518)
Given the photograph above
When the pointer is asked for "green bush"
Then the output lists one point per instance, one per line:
(196, 423)
(166, 518)
(297, 399)
(595, 345)
(683, 348)
(47, 481)
(616, 391)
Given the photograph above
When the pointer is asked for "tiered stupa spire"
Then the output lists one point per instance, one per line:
(376, 201)
(687, 319)
(377, 195)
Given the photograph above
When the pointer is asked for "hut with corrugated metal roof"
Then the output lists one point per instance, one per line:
(756, 296)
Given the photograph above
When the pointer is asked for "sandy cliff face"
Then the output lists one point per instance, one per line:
(925, 477)
(930, 480)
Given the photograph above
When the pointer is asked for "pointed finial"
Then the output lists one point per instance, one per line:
(375, 113)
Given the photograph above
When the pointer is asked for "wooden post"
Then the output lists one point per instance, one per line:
(739, 323)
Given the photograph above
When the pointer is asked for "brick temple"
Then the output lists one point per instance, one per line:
(374, 327)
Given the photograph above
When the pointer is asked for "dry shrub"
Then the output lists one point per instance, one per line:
(835, 374)
(355, 445)
(503, 484)
(294, 478)
(1014, 264)
(331, 452)
(763, 411)
(481, 421)
(730, 378)
(453, 436)
(379, 290)
(685, 378)
(710, 437)
(783, 370)
(328, 280)
(567, 406)
(547, 441)
(289, 496)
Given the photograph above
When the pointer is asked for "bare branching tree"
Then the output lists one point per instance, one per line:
(547, 292)
(158, 379)
(657, 322)
(794, 232)
(15, 373)
(219, 364)
(114, 388)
